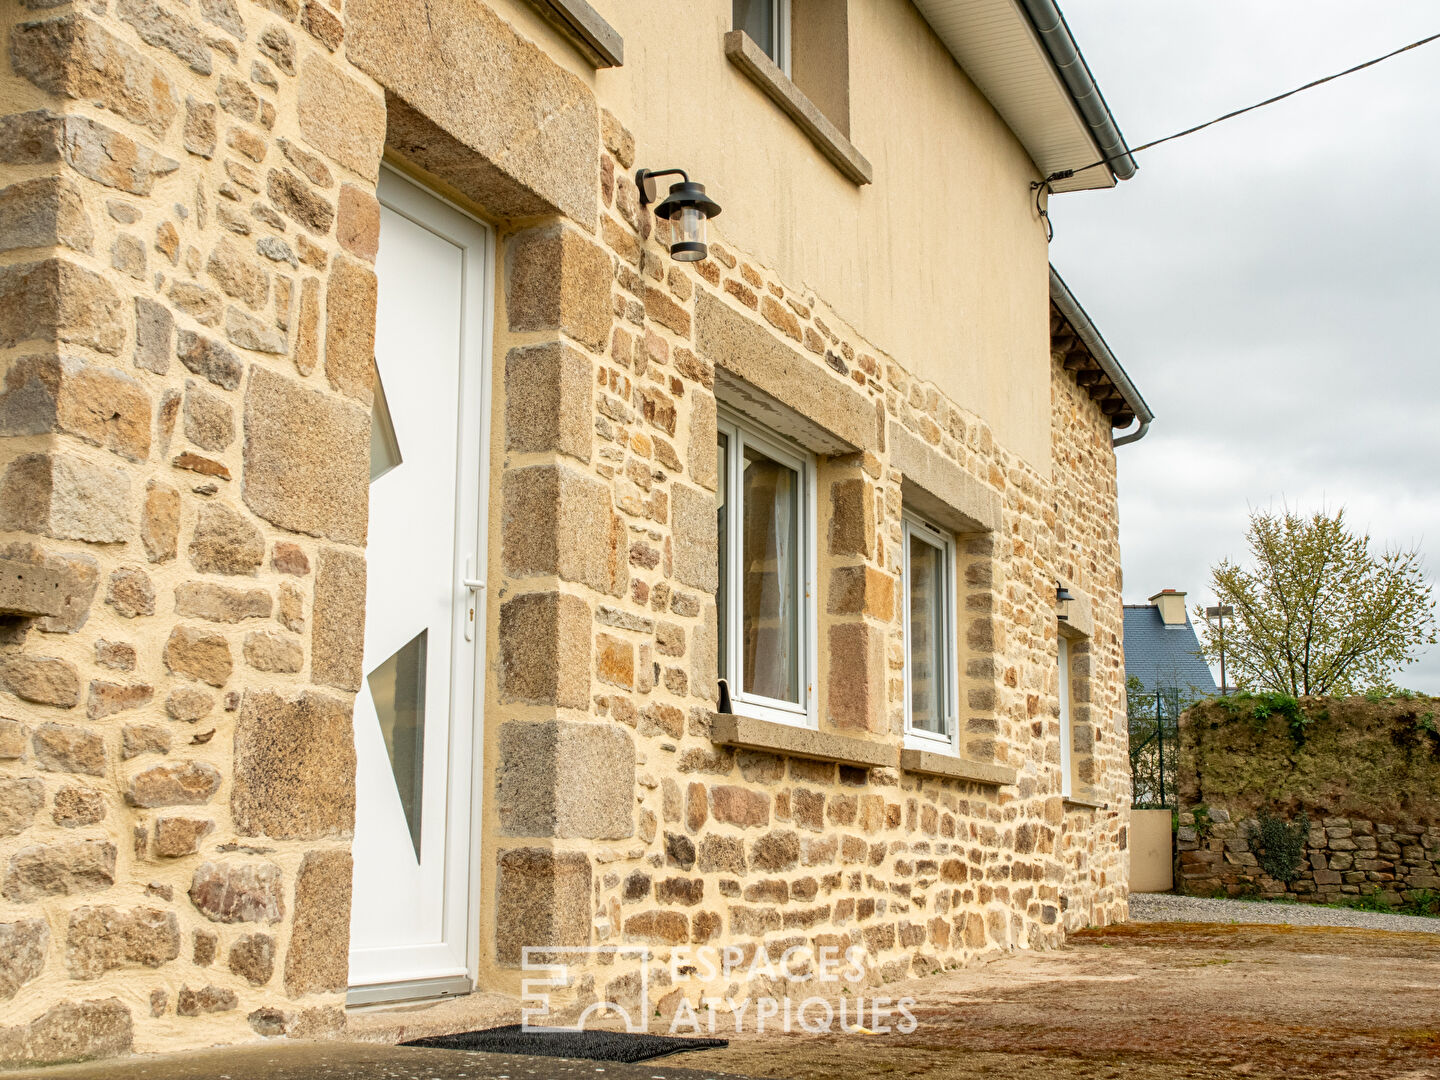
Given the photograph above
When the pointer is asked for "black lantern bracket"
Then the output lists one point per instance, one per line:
(685, 195)
(1063, 596)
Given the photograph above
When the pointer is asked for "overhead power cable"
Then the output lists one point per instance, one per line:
(1065, 174)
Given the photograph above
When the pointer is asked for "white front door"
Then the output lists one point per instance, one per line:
(417, 717)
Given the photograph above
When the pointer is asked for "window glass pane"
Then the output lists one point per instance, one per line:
(722, 532)
(928, 669)
(1064, 656)
(770, 578)
(757, 18)
(398, 689)
(384, 447)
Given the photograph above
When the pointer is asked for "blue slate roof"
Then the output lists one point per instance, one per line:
(1164, 656)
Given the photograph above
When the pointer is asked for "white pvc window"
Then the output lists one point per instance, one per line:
(1066, 787)
(767, 22)
(930, 651)
(765, 516)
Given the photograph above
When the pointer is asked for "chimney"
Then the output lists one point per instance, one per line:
(1171, 605)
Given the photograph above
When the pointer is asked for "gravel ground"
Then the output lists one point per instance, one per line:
(1165, 907)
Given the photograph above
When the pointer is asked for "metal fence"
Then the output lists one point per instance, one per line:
(1154, 747)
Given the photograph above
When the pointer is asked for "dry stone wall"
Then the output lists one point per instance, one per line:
(1342, 858)
(1364, 774)
(187, 226)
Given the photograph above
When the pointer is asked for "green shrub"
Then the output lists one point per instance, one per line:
(1260, 707)
(1279, 845)
(1203, 824)
(1421, 902)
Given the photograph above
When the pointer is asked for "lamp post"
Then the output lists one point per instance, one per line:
(1219, 614)
(687, 207)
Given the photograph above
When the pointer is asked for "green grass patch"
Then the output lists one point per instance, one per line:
(1425, 903)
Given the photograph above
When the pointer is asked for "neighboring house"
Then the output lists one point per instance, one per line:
(1164, 673)
(1163, 651)
(320, 687)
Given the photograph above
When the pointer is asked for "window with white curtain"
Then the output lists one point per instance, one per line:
(1067, 786)
(765, 518)
(930, 651)
(767, 22)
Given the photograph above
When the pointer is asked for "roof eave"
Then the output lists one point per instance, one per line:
(1023, 58)
(1098, 350)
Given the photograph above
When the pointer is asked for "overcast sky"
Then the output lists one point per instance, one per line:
(1271, 284)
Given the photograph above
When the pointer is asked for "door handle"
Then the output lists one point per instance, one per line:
(475, 586)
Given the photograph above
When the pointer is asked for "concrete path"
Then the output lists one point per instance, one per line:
(1165, 907)
(365, 1061)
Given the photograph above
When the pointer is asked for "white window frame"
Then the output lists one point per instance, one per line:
(1066, 733)
(912, 525)
(740, 432)
(782, 36)
(780, 33)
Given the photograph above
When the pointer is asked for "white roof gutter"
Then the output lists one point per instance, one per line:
(1065, 55)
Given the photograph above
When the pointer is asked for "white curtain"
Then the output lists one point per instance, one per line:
(774, 667)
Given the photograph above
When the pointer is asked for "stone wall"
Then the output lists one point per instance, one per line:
(714, 844)
(1343, 858)
(186, 296)
(1365, 775)
(187, 228)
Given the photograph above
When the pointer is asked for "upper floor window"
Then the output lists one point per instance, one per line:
(768, 24)
(766, 617)
(930, 655)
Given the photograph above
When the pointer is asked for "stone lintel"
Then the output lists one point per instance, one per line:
(1079, 621)
(828, 139)
(521, 135)
(728, 729)
(780, 387)
(941, 489)
(933, 764)
(32, 590)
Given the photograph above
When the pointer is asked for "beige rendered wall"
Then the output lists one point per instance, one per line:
(941, 263)
(1152, 858)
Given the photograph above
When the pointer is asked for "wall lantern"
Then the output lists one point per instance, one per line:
(687, 207)
(1062, 596)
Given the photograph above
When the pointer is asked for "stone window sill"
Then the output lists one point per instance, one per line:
(828, 139)
(930, 763)
(582, 26)
(1084, 801)
(730, 729)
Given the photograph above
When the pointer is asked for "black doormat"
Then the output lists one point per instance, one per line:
(586, 1045)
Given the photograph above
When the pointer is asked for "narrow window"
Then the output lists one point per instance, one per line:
(1066, 785)
(764, 515)
(929, 559)
(767, 22)
(722, 530)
